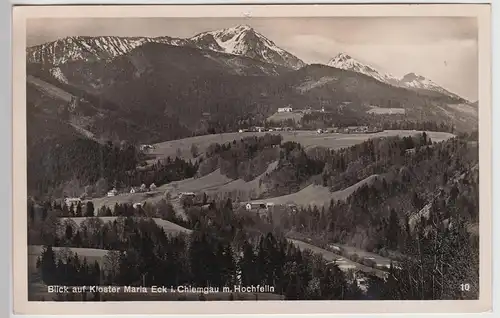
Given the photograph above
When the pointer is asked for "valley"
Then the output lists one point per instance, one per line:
(221, 159)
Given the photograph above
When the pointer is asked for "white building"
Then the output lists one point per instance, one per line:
(256, 206)
(74, 201)
(334, 248)
(285, 110)
(145, 147)
(187, 194)
(112, 193)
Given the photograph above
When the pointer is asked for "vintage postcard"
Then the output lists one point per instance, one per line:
(252, 159)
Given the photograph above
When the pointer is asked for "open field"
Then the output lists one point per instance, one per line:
(386, 111)
(306, 138)
(210, 181)
(128, 198)
(343, 263)
(216, 182)
(167, 226)
(317, 195)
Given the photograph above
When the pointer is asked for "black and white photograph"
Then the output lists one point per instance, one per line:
(252, 158)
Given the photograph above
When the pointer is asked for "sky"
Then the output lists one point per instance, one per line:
(443, 49)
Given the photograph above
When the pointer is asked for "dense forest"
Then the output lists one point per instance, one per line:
(421, 212)
(441, 175)
(245, 158)
(84, 167)
(335, 118)
(338, 169)
(71, 166)
(220, 252)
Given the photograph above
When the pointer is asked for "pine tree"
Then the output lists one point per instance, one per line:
(69, 232)
(393, 230)
(89, 209)
(247, 265)
(78, 210)
(48, 266)
(71, 210)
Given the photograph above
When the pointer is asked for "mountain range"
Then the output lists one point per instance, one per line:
(153, 89)
(148, 90)
(241, 40)
(410, 80)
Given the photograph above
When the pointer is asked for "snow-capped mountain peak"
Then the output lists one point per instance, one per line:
(238, 40)
(346, 62)
(410, 80)
(415, 81)
(244, 40)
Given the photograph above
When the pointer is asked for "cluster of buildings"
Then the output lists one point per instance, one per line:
(285, 110)
(72, 201)
(142, 188)
(267, 206)
(187, 195)
(306, 110)
(146, 147)
(264, 129)
(351, 130)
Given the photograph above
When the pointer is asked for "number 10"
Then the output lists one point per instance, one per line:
(464, 287)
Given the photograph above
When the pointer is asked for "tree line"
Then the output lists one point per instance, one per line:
(245, 158)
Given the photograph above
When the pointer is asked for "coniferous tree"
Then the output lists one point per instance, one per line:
(89, 209)
(48, 266)
(78, 210)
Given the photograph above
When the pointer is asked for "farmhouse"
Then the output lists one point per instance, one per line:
(186, 194)
(252, 206)
(356, 129)
(145, 147)
(334, 248)
(410, 151)
(70, 201)
(206, 207)
(112, 192)
(285, 110)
